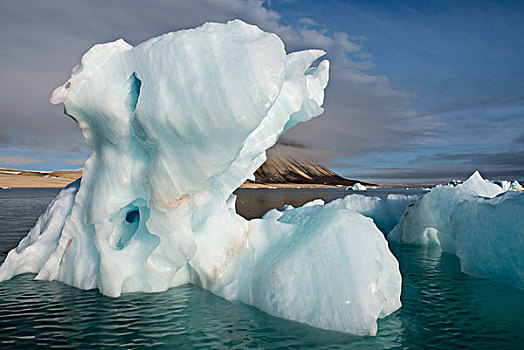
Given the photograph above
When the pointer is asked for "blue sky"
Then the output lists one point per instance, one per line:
(420, 91)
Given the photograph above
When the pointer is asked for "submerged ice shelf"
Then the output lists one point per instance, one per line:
(176, 124)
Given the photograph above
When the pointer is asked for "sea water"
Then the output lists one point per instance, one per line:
(442, 307)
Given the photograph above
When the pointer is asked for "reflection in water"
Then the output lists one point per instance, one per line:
(442, 307)
(52, 314)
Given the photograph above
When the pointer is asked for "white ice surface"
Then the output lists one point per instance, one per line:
(176, 124)
(324, 265)
(510, 185)
(357, 187)
(385, 212)
(478, 221)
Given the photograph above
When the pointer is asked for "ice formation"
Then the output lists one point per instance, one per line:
(476, 220)
(357, 187)
(510, 185)
(385, 212)
(176, 124)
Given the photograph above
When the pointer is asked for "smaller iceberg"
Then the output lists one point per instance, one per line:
(326, 265)
(356, 187)
(455, 182)
(385, 212)
(478, 221)
(510, 185)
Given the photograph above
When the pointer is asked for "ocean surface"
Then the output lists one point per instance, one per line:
(442, 307)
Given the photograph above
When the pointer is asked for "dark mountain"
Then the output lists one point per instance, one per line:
(289, 170)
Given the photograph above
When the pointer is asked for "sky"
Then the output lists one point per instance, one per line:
(419, 91)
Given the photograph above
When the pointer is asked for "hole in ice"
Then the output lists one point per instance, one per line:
(129, 225)
(68, 85)
(126, 227)
(133, 216)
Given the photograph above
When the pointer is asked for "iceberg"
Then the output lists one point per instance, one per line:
(356, 187)
(175, 125)
(478, 221)
(320, 264)
(510, 185)
(385, 212)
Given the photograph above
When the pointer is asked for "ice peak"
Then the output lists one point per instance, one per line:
(476, 184)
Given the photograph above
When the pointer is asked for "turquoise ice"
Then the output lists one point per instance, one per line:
(176, 124)
(478, 221)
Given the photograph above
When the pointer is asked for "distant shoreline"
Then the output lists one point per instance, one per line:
(27, 178)
(57, 179)
(275, 172)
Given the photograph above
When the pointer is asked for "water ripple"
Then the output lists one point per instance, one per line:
(442, 308)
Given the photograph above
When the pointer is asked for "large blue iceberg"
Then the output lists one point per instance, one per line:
(479, 221)
(176, 124)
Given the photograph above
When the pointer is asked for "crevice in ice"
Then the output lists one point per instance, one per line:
(66, 250)
(134, 91)
(135, 85)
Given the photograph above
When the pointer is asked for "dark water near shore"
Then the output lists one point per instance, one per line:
(442, 307)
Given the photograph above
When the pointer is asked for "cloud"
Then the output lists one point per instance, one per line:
(443, 167)
(370, 124)
(42, 40)
(513, 161)
(519, 141)
(308, 21)
(435, 174)
(17, 161)
(75, 161)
